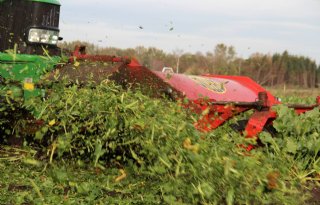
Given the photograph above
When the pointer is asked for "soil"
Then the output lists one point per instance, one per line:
(17, 188)
(315, 196)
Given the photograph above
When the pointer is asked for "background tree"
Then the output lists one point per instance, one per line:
(275, 69)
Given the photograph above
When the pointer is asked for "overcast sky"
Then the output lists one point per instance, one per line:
(196, 25)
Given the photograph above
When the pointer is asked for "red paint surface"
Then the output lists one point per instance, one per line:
(238, 89)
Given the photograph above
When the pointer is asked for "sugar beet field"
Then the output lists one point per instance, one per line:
(112, 146)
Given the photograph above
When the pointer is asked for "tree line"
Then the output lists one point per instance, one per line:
(267, 69)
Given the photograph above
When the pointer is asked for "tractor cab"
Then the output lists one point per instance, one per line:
(30, 26)
(29, 33)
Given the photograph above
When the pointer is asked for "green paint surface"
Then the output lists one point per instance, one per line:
(21, 68)
(18, 67)
(48, 1)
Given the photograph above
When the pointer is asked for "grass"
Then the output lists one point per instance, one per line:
(289, 92)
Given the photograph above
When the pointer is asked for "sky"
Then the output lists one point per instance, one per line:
(250, 26)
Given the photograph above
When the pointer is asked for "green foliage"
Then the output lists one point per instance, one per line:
(299, 137)
(107, 122)
(105, 145)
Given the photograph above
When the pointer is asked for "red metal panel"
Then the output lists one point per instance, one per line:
(215, 87)
(217, 116)
(257, 122)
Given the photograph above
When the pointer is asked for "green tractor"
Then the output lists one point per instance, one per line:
(29, 33)
(30, 57)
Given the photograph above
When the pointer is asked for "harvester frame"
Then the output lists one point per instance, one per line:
(217, 112)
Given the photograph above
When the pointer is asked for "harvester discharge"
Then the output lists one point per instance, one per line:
(29, 33)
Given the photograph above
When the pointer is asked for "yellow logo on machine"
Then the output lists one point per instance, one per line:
(28, 84)
(210, 84)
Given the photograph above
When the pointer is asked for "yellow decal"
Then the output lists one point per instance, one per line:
(28, 86)
(210, 84)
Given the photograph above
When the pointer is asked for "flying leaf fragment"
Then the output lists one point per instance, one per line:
(76, 64)
(31, 161)
(272, 178)
(52, 122)
(122, 176)
(187, 144)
